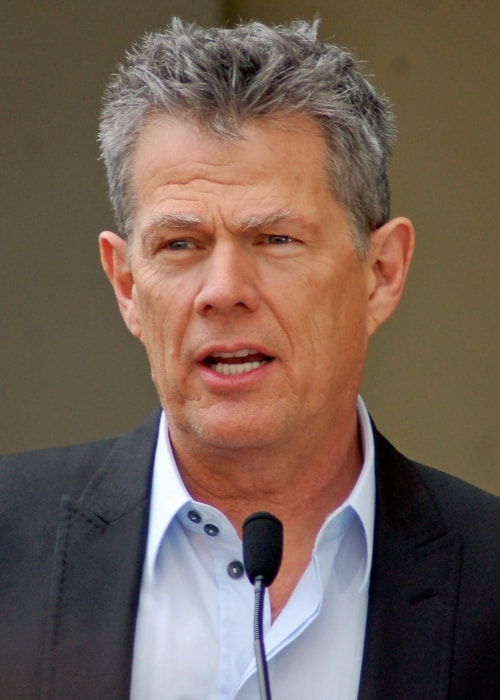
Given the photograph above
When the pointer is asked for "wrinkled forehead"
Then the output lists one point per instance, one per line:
(223, 131)
(184, 174)
(181, 141)
(184, 149)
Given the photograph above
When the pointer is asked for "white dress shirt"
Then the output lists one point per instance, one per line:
(194, 635)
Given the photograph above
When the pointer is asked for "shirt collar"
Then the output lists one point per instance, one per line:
(361, 500)
(169, 495)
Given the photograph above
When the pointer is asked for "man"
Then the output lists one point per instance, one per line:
(254, 258)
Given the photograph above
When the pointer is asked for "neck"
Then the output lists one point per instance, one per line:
(289, 478)
(301, 486)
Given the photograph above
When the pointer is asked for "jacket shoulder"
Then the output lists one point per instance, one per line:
(434, 587)
(457, 503)
(61, 469)
(37, 479)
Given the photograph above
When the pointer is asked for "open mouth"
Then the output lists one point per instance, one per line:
(236, 363)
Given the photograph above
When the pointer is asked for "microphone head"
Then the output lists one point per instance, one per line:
(262, 547)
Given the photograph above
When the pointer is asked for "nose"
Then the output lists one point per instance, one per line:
(229, 281)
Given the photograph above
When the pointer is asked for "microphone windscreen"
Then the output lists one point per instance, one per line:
(262, 546)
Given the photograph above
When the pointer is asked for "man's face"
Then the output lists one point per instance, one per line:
(245, 286)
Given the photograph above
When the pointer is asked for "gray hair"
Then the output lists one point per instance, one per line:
(225, 77)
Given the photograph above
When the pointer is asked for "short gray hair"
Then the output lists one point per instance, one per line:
(225, 77)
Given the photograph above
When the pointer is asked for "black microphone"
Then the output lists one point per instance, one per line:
(262, 552)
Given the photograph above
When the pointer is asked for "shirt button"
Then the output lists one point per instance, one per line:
(194, 516)
(235, 569)
(211, 530)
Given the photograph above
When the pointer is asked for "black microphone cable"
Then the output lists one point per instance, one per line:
(262, 553)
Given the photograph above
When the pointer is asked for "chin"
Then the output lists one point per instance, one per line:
(235, 436)
(233, 428)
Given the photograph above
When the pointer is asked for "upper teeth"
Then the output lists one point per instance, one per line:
(239, 353)
(234, 370)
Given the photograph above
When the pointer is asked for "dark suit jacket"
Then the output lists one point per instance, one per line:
(72, 536)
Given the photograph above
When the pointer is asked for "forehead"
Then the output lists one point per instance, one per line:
(185, 149)
(272, 165)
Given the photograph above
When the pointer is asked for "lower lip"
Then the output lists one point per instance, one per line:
(224, 382)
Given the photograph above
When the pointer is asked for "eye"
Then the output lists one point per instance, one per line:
(275, 239)
(179, 244)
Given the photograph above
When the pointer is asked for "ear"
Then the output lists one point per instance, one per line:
(115, 261)
(389, 257)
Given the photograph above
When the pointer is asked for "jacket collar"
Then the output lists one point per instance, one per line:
(99, 558)
(97, 571)
(413, 589)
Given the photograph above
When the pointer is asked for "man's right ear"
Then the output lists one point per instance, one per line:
(115, 262)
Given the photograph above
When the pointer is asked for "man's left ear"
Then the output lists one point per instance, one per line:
(389, 257)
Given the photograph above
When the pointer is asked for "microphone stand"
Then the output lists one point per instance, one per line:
(260, 650)
(262, 552)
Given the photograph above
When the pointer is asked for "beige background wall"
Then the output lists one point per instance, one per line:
(69, 371)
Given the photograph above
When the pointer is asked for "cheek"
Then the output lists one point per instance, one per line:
(150, 305)
(164, 312)
(338, 319)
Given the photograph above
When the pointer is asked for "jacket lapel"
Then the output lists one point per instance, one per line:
(413, 590)
(96, 576)
(98, 565)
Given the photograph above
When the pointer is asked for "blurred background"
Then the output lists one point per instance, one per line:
(70, 372)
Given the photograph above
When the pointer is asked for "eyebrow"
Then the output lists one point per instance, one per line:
(186, 220)
(170, 221)
(264, 220)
